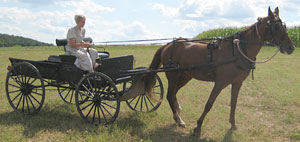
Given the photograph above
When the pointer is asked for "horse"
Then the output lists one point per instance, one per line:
(182, 53)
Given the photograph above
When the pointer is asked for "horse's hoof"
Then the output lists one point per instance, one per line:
(182, 124)
(233, 128)
(197, 133)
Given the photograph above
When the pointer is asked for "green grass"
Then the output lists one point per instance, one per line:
(267, 109)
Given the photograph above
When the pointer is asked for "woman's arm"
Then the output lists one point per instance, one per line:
(81, 44)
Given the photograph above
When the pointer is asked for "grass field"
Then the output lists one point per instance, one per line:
(268, 108)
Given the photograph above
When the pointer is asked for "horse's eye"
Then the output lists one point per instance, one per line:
(284, 26)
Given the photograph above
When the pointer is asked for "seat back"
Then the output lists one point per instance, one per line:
(61, 42)
(64, 42)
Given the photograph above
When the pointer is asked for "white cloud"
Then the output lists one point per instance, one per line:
(195, 16)
(46, 21)
(84, 6)
(169, 12)
(47, 25)
(117, 30)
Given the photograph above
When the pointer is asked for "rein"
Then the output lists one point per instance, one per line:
(237, 42)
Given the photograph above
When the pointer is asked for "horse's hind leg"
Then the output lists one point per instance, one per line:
(183, 80)
(175, 81)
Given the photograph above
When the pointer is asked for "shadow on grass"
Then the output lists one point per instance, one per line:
(65, 119)
(169, 134)
(228, 136)
(62, 118)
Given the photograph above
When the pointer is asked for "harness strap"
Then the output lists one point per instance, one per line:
(237, 43)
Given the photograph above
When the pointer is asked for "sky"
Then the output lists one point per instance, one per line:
(111, 20)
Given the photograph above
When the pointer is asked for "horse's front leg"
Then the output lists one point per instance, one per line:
(214, 94)
(235, 89)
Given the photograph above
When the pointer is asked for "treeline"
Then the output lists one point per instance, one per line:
(11, 40)
(294, 33)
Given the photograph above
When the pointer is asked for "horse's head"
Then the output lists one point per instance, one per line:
(275, 32)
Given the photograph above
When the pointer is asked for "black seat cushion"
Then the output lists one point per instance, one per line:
(61, 42)
(67, 58)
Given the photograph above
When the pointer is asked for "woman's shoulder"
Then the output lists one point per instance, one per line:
(72, 28)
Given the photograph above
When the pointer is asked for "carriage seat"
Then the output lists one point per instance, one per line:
(64, 42)
(71, 58)
(61, 42)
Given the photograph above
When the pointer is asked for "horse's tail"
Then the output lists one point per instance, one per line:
(150, 78)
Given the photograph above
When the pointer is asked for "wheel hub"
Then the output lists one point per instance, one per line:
(26, 89)
(97, 100)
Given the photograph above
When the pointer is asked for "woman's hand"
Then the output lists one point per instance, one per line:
(85, 44)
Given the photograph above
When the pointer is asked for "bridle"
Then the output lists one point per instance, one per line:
(271, 25)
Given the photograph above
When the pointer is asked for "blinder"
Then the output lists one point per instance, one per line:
(272, 27)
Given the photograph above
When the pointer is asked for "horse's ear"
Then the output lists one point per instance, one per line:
(271, 15)
(276, 11)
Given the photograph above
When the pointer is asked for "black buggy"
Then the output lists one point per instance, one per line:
(97, 95)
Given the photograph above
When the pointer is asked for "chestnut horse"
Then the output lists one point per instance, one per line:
(184, 53)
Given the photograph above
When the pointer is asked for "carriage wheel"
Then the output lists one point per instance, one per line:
(97, 99)
(67, 93)
(25, 88)
(142, 102)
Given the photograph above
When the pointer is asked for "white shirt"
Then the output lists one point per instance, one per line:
(74, 32)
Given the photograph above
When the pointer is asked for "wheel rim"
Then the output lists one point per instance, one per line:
(25, 89)
(142, 102)
(97, 99)
(67, 93)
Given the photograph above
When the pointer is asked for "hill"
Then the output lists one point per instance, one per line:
(11, 40)
(294, 33)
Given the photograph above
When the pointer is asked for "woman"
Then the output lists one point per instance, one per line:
(85, 61)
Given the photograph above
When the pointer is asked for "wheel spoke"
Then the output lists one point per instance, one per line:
(146, 103)
(71, 96)
(16, 96)
(132, 99)
(64, 89)
(150, 101)
(27, 105)
(106, 110)
(14, 91)
(28, 80)
(67, 94)
(31, 103)
(14, 79)
(33, 81)
(89, 112)
(94, 114)
(13, 85)
(88, 90)
(37, 93)
(103, 113)
(90, 85)
(19, 101)
(35, 99)
(98, 107)
(86, 106)
(22, 79)
(137, 102)
(142, 103)
(84, 94)
(23, 103)
(108, 105)
(25, 79)
(17, 79)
